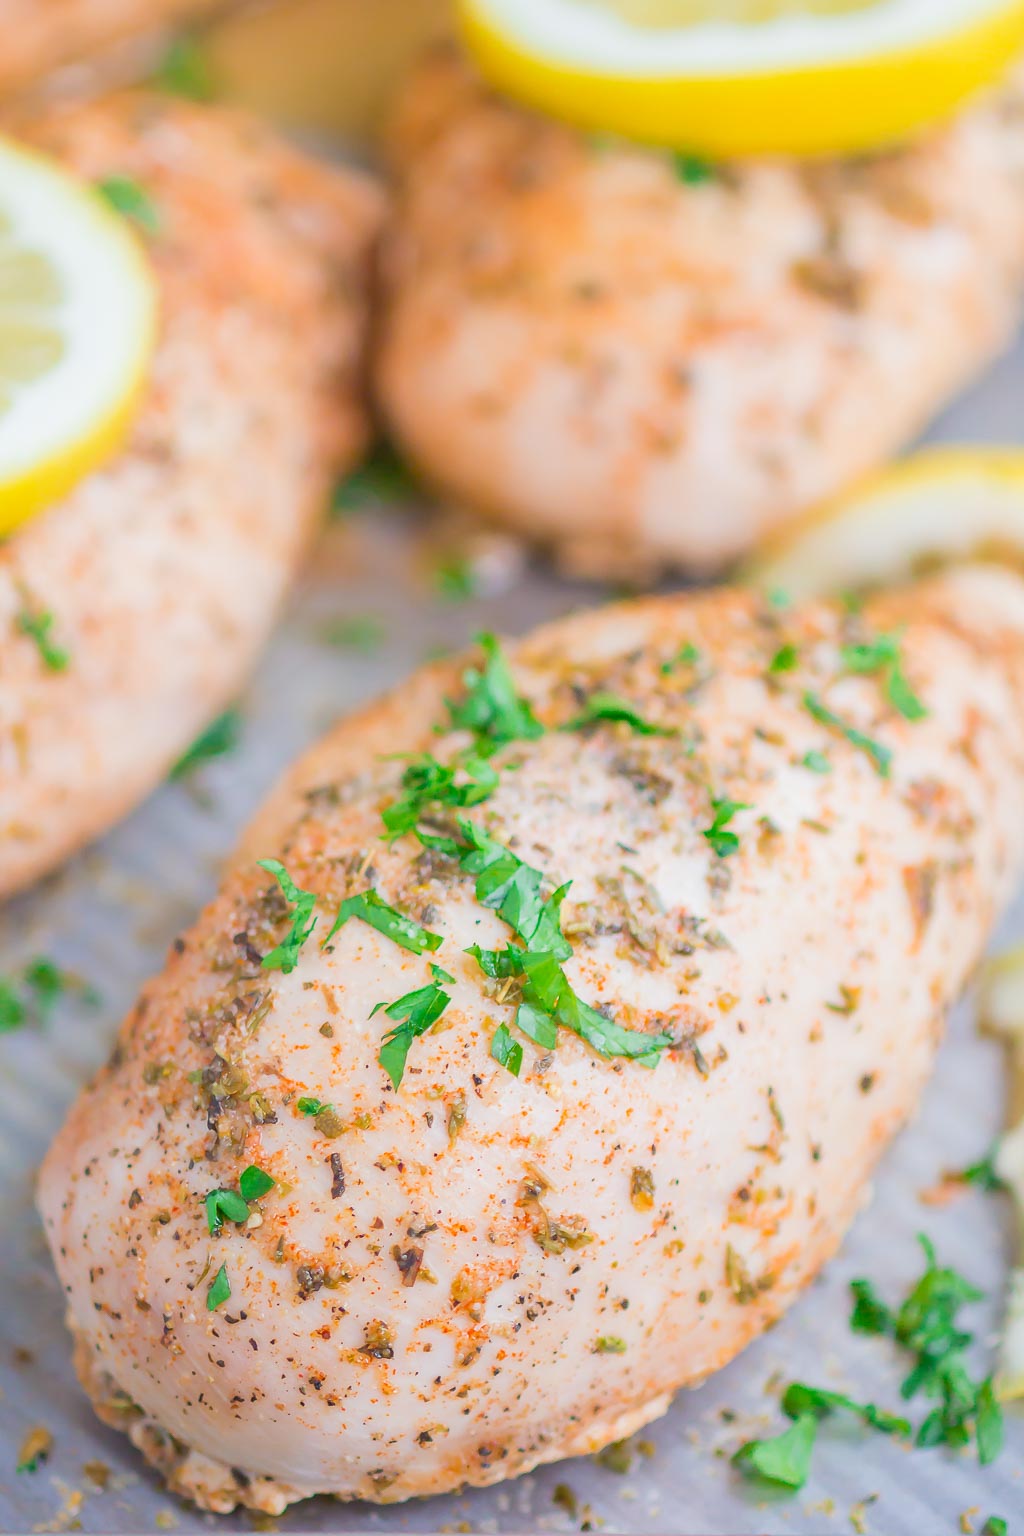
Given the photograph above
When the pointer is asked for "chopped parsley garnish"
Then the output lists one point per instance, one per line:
(882, 656)
(35, 1449)
(32, 996)
(185, 71)
(254, 1183)
(427, 782)
(691, 170)
(374, 910)
(491, 707)
(224, 1205)
(381, 481)
(608, 706)
(687, 656)
(455, 579)
(311, 1106)
(514, 890)
(817, 762)
(38, 625)
(132, 201)
(785, 1459)
(926, 1324)
(285, 957)
(358, 632)
(995, 1525)
(723, 841)
(507, 1051)
(786, 659)
(880, 756)
(219, 1291)
(414, 1014)
(228, 1205)
(219, 738)
(983, 1175)
(510, 887)
(609, 1344)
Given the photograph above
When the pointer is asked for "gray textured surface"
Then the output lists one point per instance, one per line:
(110, 916)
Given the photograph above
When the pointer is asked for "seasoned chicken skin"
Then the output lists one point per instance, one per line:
(454, 1281)
(163, 571)
(40, 35)
(645, 362)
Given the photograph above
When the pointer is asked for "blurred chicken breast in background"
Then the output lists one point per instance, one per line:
(454, 1279)
(645, 362)
(163, 572)
(39, 36)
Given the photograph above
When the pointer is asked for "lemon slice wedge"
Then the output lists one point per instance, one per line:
(939, 506)
(745, 77)
(77, 328)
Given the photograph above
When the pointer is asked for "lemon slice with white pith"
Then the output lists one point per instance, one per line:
(746, 77)
(77, 328)
(937, 507)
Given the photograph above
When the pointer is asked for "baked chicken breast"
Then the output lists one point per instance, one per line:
(533, 1075)
(161, 574)
(40, 35)
(644, 362)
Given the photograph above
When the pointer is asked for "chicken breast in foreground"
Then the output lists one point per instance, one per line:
(40, 35)
(643, 361)
(581, 1070)
(158, 578)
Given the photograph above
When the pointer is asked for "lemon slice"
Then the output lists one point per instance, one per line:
(77, 327)
(745, 77)
(940, 505)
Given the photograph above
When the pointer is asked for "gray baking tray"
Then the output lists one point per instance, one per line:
(110, 916)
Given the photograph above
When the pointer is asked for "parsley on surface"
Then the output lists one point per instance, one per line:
(723, 841)
(507, 1051)
(926, 1325)
(130, 200)
(817, 762)
(882, 656)
(514, 890)
(414, 1014)
(379, 482)
(687, 656)
(32, 996)
(691, 170)
(880, 756)
(362, 632)
(254, 1182)
(983, 1175)
(608, 706)
(491, 707)
(219, 1290)
(374, 910)
(784, 1459)
(37, 625)
(185, 71)
(311, 1106)
(224, 1205)
(220, 737)
(285, 957)
(427, 783)
(786, 659)
(609, 1344)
